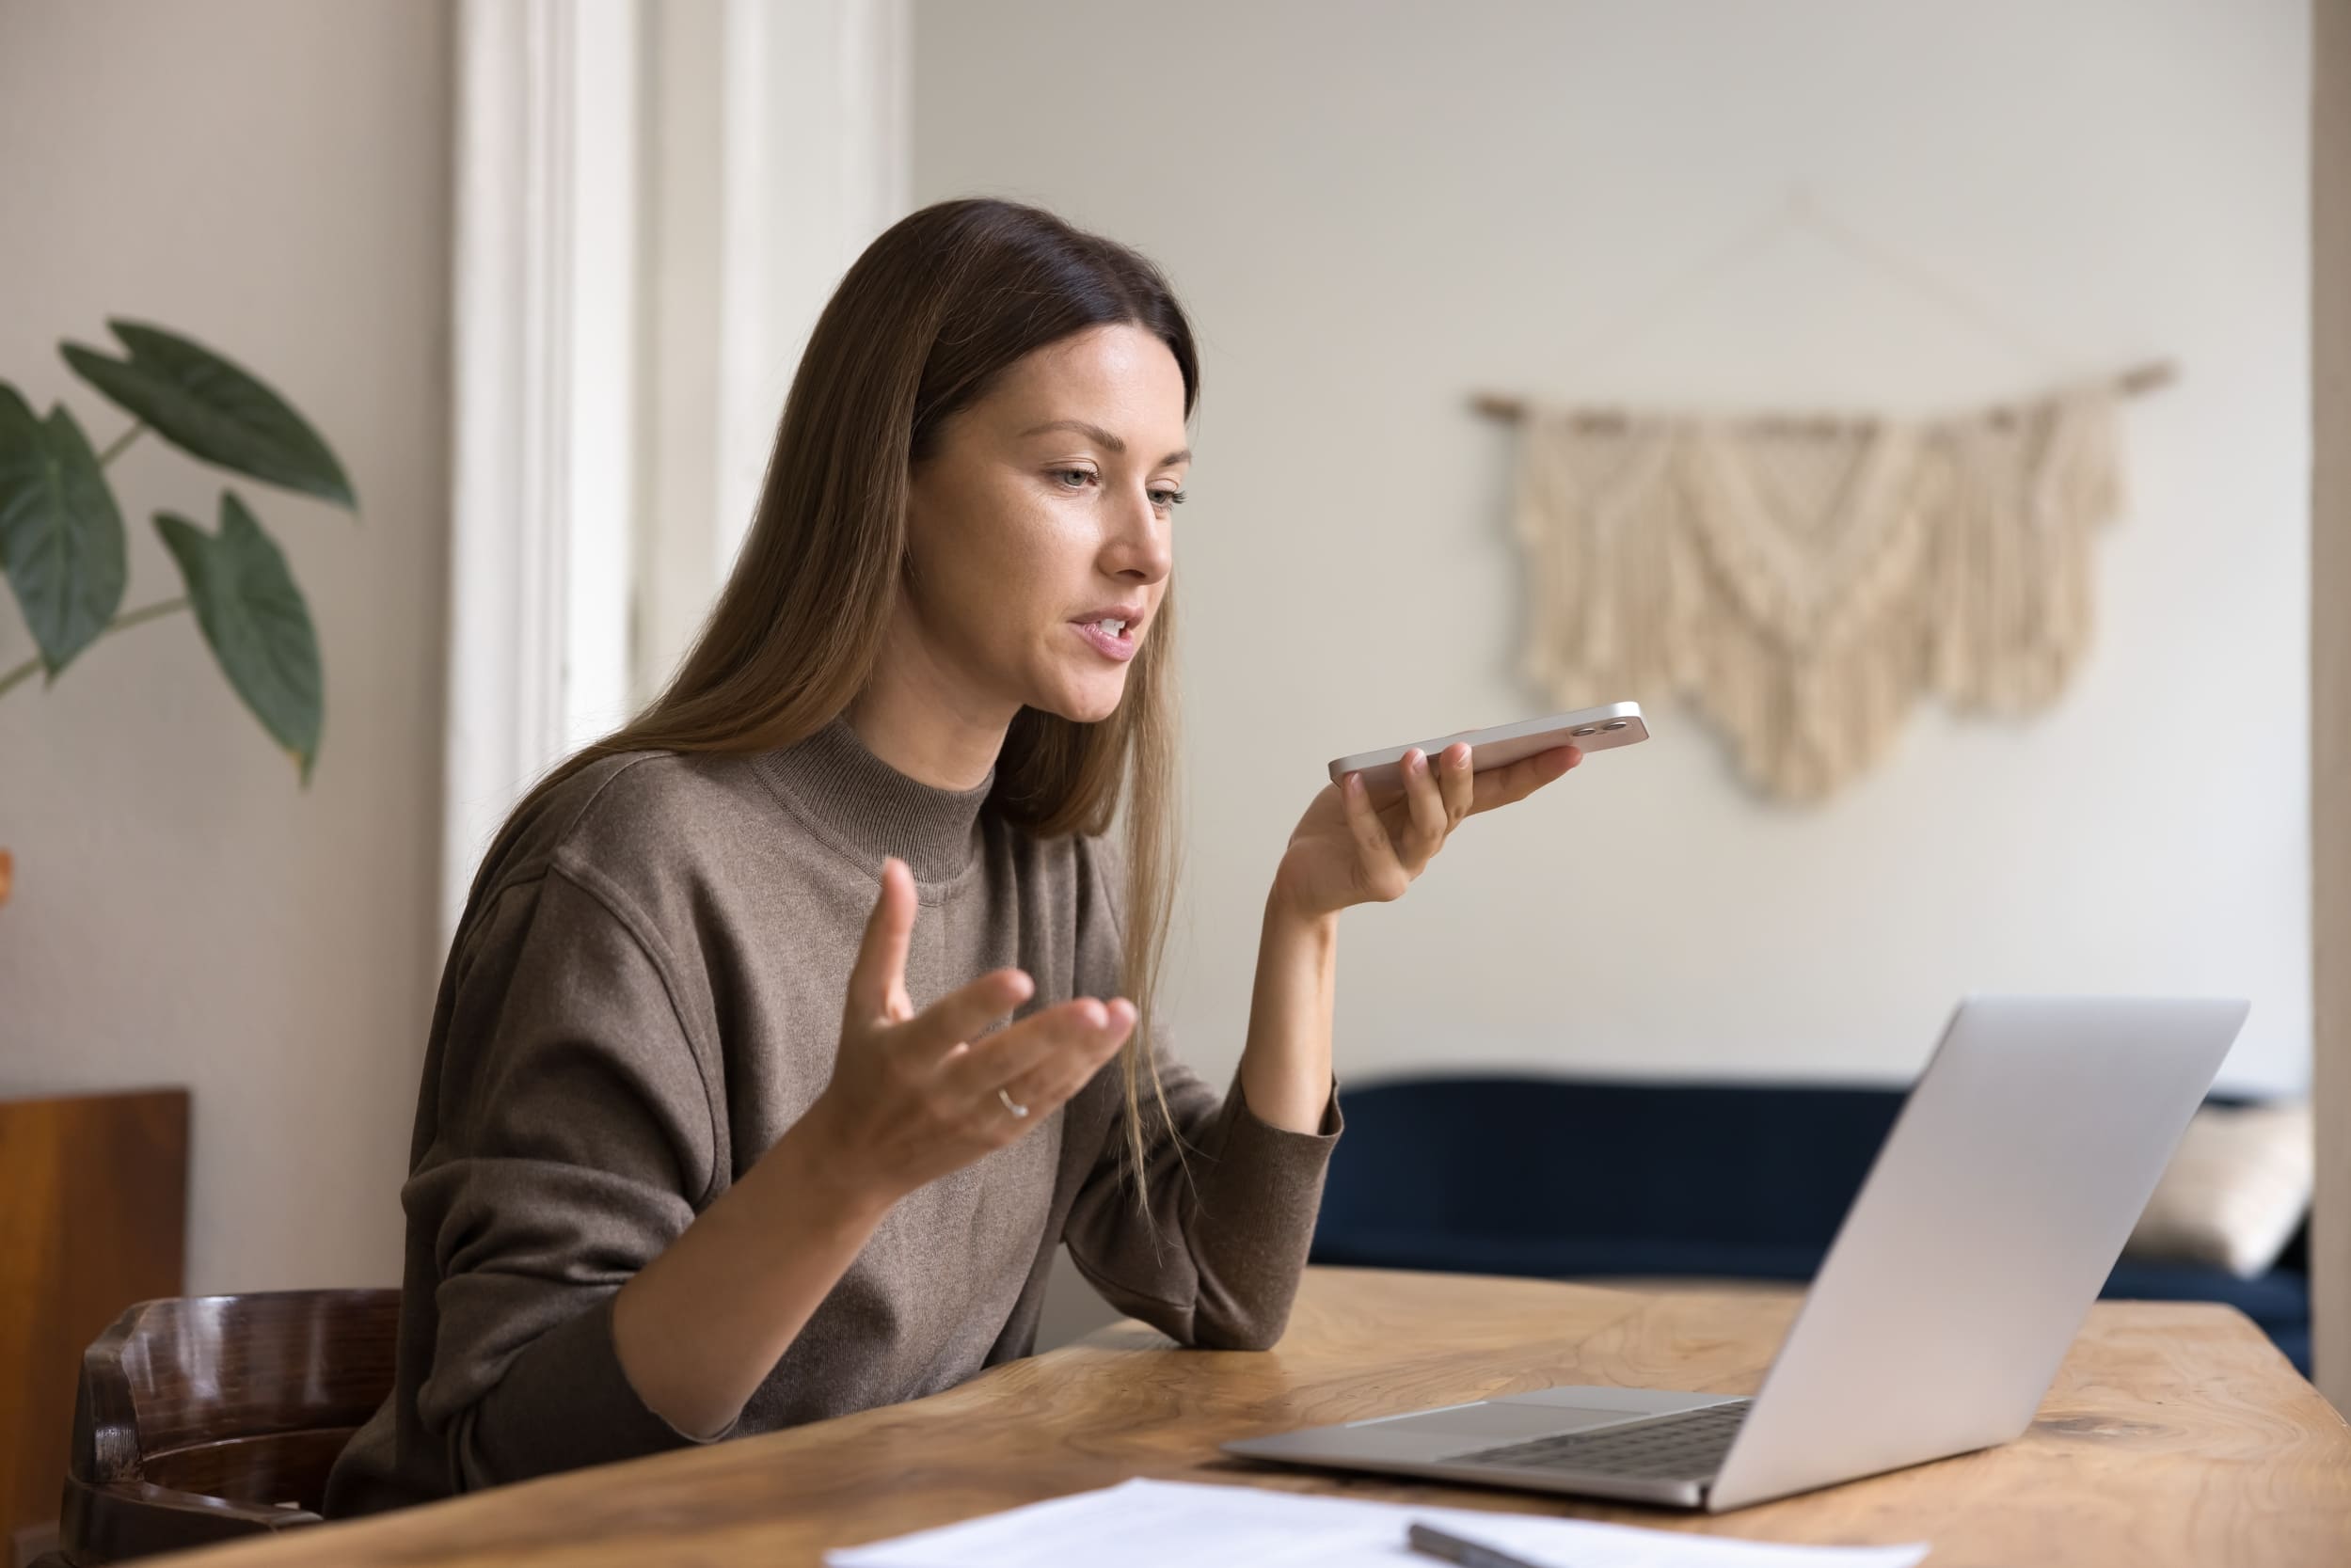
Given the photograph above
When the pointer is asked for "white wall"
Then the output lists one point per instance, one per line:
(270, 177)
(1373, 209)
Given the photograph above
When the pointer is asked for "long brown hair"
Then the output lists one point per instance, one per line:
(921, 328)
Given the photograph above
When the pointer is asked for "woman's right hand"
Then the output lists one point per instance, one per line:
(914, 1095)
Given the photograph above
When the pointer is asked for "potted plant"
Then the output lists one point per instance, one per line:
(62, 544)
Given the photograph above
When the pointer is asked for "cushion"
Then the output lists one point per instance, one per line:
(2235, 1192)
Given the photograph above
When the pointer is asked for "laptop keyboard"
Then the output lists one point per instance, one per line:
(1689, 1443)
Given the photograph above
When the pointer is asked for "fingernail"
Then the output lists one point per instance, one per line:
(1096, 1015)
(1022, 987)
(1415, 761)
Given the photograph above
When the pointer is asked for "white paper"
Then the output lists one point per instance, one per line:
(1160, 1524)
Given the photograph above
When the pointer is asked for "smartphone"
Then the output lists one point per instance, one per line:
(1591, 729)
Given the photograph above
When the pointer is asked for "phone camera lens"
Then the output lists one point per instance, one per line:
(1613, 724)
(1588, 729)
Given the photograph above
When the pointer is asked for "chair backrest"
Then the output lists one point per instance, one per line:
(205, 1418)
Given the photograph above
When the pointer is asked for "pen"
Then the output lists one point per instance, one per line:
(1436, 1543)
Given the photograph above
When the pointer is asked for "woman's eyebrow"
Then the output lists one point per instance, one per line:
(1103, 438)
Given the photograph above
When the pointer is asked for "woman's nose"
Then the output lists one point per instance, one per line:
(1142, 545)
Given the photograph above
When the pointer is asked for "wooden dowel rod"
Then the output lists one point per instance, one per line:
(2137, 379)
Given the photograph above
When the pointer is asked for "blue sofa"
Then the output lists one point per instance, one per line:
(1563, 1178)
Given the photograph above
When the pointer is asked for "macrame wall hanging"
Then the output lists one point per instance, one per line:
(1802, 581)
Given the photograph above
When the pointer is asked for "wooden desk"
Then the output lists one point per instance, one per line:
(2175, 1434)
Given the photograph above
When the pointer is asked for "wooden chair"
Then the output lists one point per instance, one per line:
(203, 1419)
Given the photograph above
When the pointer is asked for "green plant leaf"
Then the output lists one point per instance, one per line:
(60, 531)
(256, 621)
(212, 409)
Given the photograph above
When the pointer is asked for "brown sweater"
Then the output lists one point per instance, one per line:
(645, 990)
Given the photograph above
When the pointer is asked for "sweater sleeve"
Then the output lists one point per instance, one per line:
(573, 1141)
(1214, 1259)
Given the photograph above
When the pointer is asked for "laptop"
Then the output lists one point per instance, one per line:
(2002, 1198)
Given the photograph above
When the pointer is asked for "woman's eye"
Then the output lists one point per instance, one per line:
(1077, 479)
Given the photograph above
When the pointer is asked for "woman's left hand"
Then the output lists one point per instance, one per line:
(1354, 848)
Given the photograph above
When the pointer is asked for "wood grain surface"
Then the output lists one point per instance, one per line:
(93, 1207)
(2175, 1434)
(203, 1419)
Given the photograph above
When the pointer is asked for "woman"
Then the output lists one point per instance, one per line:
(716, 1135)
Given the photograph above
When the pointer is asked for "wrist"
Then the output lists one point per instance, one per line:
(1286, 911)
(823, 1172)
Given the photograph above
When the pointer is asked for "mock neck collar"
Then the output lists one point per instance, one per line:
(873, 810)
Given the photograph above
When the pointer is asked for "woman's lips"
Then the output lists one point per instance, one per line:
(1121, 647)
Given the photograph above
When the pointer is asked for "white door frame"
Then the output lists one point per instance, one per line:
(2330, 699)
(544, 291)
(779, 140)
(595, 260)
